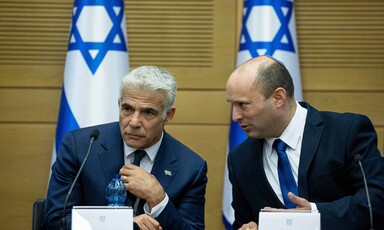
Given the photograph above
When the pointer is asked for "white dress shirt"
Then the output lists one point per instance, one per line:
(293, 137)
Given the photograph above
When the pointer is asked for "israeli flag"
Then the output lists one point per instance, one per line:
(268, 28)
(96, 61)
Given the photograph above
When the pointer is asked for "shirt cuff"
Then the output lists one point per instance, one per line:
(313, 207)
(158, 208)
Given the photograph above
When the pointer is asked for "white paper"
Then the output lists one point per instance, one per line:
(289, 219)
(102, 218)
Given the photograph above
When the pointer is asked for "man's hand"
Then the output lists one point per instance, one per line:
(142, 184)
(146, 222)
(250, 226)
(301, 203)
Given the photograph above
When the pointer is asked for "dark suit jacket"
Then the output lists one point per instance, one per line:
(185, 187)
(328, 174)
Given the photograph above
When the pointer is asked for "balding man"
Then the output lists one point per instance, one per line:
(298, 157)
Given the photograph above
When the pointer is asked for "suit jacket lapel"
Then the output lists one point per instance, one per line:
(164, 168)
(111, 153)
(259, 174)
(311, 138)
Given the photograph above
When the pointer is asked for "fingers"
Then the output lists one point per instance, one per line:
(146, 222)
(293, 198)
(131, 176)
(130, 170)
(129, 167)
(250, 226)
(142, 184)
(300, 202)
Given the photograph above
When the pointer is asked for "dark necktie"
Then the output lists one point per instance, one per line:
(287, 181)
(139, 154)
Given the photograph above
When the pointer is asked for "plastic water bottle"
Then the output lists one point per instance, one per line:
(116, 192)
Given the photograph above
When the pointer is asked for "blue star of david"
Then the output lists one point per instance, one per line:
(276, 43)
(101, 47)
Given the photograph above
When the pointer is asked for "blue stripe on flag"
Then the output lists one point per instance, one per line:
(66, 122)
(236, 135)
(227, 225)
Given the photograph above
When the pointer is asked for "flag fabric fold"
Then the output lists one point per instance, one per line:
(268, 28)
(96, 61)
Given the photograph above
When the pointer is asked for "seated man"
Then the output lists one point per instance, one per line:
(319, 148)
(171, 179)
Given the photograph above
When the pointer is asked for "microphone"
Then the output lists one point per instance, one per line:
(358, 159)
(94, 135)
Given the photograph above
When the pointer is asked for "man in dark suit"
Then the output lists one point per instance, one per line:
(321, 150)
(170, 183)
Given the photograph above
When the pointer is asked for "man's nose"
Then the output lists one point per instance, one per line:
(135, 119)
(236, 114)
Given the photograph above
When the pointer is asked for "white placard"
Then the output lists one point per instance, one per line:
(102, 218)
(289, 220)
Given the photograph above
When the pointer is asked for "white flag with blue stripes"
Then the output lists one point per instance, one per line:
(268, 28)
(96, 61)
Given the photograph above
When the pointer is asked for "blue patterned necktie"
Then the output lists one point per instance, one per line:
(287, 181)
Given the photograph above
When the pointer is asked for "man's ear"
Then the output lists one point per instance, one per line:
(279, 96)
(169, 115)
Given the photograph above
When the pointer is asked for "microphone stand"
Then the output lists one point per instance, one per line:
(358, 159)
(94, 135)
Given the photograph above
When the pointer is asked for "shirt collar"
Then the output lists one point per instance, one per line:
(294, 131)
(151, 151)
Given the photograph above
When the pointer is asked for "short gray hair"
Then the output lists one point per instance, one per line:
(151, 79)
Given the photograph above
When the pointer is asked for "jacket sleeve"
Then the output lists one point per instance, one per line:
(351, 211)
(64, 171)
(185, 210)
